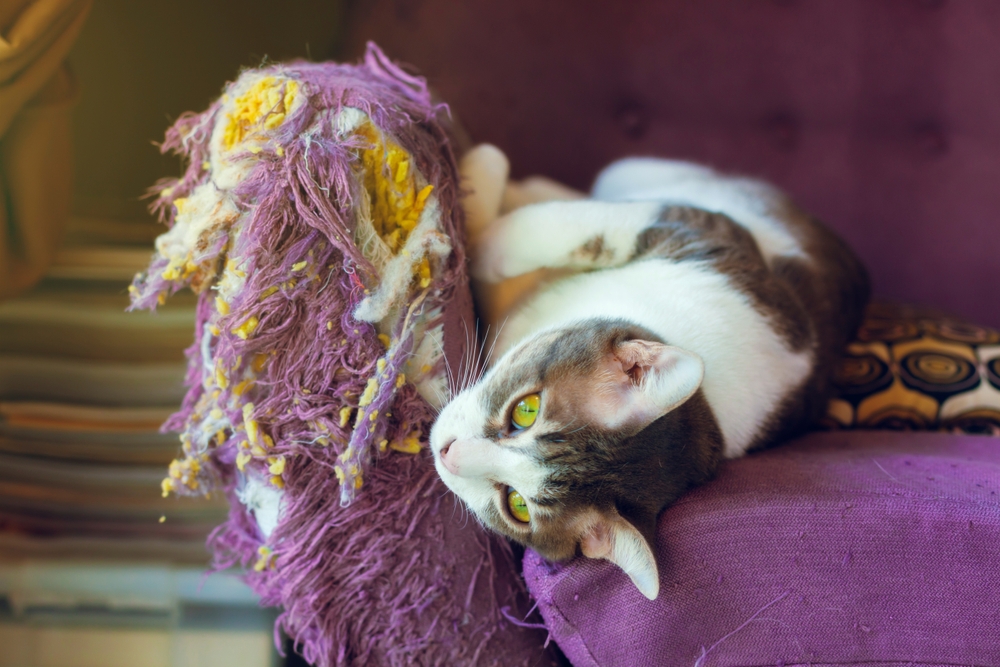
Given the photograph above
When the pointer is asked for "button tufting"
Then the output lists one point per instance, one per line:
(632, 118)
(931, 139)
(783, 130)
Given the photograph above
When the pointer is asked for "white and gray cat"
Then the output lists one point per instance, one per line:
(699, 320)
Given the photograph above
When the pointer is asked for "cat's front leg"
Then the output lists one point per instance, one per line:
(581, 235)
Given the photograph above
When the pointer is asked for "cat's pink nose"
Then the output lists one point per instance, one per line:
(449, 462)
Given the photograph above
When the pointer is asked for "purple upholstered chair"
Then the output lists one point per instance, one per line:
(882, 117)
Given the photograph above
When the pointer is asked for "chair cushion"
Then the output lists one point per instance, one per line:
(846, 548)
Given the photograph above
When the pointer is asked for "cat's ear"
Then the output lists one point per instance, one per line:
(647, 380)
(615, 539)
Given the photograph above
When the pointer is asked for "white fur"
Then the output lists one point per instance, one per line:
(464, 419)
(633, 554)
(421, 366)
(549, 235)
(748, 202)
(484, 170)
(748, 368)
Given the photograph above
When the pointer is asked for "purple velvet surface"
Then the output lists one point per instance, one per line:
(840, 548)
(880, 116)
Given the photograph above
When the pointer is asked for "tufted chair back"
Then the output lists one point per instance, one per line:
(880, 116)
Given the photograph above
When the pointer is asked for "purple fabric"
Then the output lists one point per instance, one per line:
(881, 117)
(385, 572)
(842, 548)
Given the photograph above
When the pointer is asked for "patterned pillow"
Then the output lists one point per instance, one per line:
(916, 368)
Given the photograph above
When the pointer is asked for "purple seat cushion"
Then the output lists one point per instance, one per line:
(841, 548)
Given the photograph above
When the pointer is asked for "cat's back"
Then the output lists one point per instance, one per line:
(812, 276)
(807, 281)
(752, 204)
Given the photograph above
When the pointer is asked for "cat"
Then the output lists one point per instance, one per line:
(697, 318)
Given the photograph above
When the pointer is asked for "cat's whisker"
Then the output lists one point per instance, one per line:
(474, 370)
(455, 376)
(496, 337)
(455, 373)
(466, 360)
(441, 397)
(449, 377)
(483, 361)
(477, 359)
(479, 368)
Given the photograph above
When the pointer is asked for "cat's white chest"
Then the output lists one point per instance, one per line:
(749, 370)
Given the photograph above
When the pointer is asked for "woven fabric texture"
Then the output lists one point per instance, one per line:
(846, 548)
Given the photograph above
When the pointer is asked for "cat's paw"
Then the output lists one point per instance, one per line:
(517, 243)
(491, 262)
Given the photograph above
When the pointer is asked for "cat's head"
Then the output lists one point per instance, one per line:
(575, 440)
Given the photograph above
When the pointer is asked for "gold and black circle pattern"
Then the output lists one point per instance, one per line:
(859, 375)
(962, 332)
(897, 418)
(938, 373)
(977, 422)
(993, 372)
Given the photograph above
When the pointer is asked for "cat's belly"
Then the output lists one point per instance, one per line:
(749, 371)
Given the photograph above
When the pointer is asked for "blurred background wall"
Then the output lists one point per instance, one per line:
(140, 64)
(96, 568)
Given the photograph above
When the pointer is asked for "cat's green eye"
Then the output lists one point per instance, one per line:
(515, 503)
(524, 413)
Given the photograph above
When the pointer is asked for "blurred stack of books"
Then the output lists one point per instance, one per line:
(84, 387)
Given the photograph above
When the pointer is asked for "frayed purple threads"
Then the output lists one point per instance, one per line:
(278, 358)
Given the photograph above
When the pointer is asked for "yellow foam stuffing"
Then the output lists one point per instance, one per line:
(265, 558)
(276, 465)
(183, 472)
(391, 184)
(408, 445)
(369, 394)
(250, 423)
(247, 328)
(266, 104)
(179, 268)
(258, 362)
